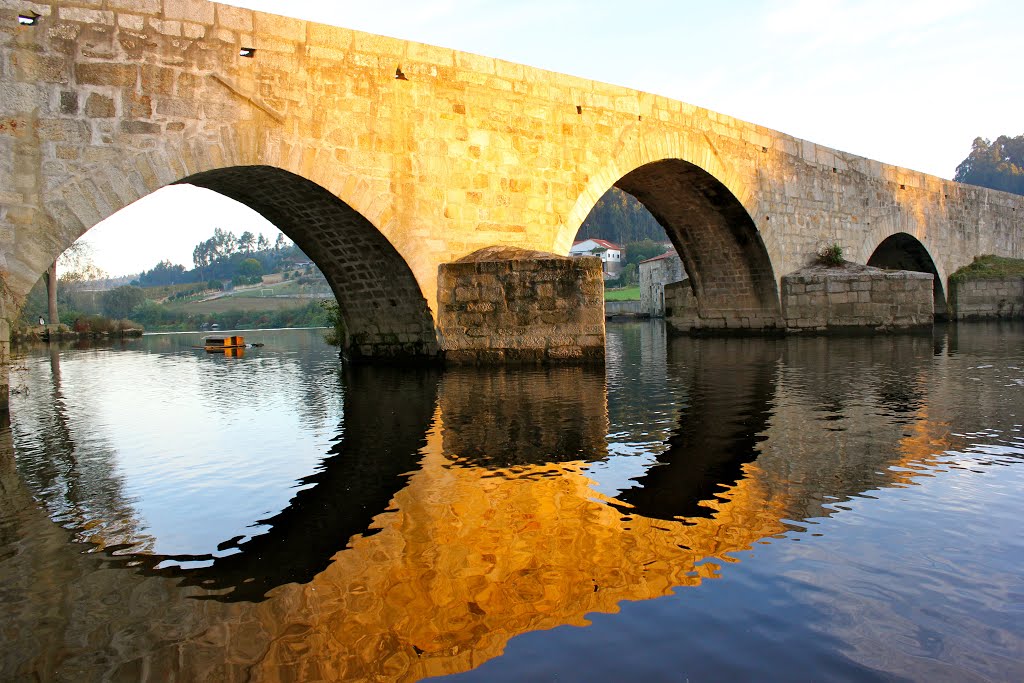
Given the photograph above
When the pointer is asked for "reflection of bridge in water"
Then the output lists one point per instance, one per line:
(425, 548)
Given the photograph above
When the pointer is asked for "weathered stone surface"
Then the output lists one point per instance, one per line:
(105, 74)
(987, 298)
(853, 297)
(493, 306)
(99, 106)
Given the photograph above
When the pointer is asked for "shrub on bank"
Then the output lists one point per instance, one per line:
(159, 318)
(98, 325)
(989, 266)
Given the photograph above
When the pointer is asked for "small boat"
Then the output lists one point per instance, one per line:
(229, 344)
(219, 343)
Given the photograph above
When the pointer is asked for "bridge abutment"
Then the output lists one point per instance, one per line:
(508, 305)
(857, 298)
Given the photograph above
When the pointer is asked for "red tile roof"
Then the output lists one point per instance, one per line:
(602, 243)
(667, 254)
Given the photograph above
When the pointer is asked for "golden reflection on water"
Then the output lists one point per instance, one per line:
(469, 560)
(477, 547)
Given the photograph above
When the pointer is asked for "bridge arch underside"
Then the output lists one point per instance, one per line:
(905, 252)
(382, 306)
(730, 272)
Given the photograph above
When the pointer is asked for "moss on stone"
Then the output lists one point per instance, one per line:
(988, 267)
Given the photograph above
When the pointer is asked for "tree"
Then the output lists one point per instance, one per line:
(76, 267)
(280, 243)
(164, 273)
(643, 250)
(249, 272)
(262, 243)
(201, 257)
(223, 243)
(996, 165)
(120, 302)
(246, 242)
(620, 218)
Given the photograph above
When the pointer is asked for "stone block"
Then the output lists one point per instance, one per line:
(69, 102)
(140, 127)
(105, 73)
(141, 6)
(132, 22)
(30, 66)
(86, 16)
(838, 286)
(156, 80)
(234, 18)
(200, 11)
(99, 106)
(166, 27)
(283, 27)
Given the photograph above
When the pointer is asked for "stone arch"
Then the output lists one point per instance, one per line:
(385, 312)
(902, 251)
(637, 146)
(382, 303)
(709, 212)
(731, 273)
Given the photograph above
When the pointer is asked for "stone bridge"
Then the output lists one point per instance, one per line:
(383, 159)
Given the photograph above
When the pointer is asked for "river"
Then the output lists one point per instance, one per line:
(697, 510)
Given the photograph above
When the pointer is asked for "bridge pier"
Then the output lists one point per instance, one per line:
(509, 305)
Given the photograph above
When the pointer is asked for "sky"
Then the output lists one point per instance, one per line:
(907, 82)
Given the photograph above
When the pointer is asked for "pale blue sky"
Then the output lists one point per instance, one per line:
(907, 82)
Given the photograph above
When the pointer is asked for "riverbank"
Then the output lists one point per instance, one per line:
(118, 329)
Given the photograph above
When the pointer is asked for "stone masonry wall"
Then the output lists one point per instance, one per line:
(104, 101)
(988, 298)
(856, 297)
(511, 305)
(654, 275)
(680, 306)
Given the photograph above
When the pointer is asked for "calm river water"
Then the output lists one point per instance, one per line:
(698, 510)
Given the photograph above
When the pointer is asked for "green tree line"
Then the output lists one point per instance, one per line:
(997, 165)
(618, 217)
(223, 256)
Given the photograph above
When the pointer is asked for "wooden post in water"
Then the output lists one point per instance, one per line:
(51, 294)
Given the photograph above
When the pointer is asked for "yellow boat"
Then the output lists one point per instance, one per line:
(222, 344)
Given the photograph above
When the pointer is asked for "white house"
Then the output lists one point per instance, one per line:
(610, 253)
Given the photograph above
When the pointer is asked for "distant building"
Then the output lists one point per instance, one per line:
(655, 273)
(610, 253)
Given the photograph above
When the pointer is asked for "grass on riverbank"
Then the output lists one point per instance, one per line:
(988, 267)
(233, 314)
(623, 294)
(238, 303)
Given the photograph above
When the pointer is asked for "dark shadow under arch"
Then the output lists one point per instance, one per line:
(730, 272)
(377, 451)
(905, 252)
(385, 313)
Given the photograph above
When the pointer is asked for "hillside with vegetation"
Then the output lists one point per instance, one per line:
(618, 217)
(235, 282)
(997, 165)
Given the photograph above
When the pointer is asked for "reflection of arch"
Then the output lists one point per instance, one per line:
(902, 251)
(385, 312)
(731, 387)
(722, 250)
(355, 482)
